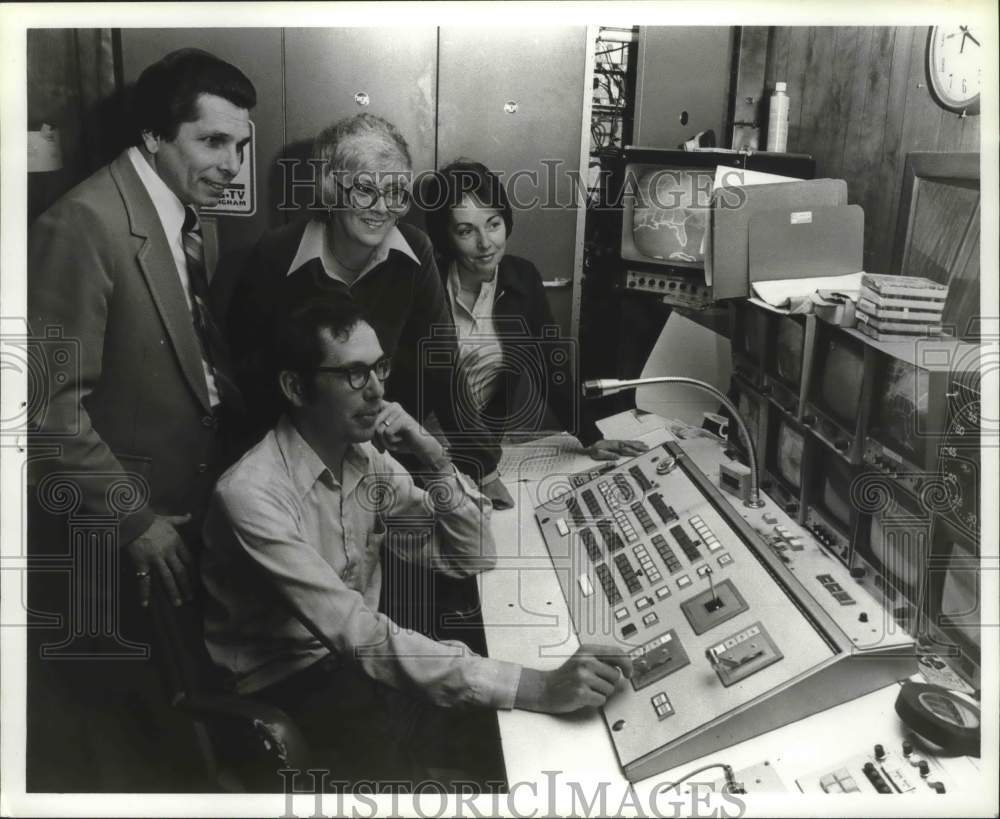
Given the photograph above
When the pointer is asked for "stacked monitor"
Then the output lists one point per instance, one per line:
(833, 409)
(879, 459)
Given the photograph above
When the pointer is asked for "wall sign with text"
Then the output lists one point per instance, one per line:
(240, 198)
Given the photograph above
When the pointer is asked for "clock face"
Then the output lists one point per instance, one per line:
(954, 67)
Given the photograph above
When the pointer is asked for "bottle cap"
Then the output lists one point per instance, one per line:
(780, 86)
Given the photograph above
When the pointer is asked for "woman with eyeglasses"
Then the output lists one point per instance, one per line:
(353, 245)
(501, 314)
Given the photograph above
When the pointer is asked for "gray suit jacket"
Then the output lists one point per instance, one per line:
(129, 418)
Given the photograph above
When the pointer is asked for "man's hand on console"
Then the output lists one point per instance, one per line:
(398, 431)
(160, 549)
(585, 680)
(612, 450)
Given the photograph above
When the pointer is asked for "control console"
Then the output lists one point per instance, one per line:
(737, 622)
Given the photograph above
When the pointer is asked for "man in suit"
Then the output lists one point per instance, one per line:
(117, 266)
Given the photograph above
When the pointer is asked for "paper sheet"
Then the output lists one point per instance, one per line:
(789, 292)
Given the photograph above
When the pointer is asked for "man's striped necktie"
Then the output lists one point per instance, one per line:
(213, 343)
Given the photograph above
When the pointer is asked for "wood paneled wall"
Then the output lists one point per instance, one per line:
(859, 104)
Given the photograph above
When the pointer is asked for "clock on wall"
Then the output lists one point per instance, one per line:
(954, 67)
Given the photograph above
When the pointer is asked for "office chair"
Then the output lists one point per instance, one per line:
(243, 743)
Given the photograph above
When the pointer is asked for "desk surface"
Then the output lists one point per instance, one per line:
(527, 621)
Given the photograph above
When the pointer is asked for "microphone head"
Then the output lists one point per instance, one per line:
(593, 389)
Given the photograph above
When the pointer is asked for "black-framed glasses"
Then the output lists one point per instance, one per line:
(358, 374)
(363, 195)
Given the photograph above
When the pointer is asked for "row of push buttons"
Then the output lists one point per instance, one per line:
(626, 526)
(710, 540)
(666, 554)
(646, 562)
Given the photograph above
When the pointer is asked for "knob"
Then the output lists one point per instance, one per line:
(938, 786)
(907, 745)
(924, 768)
(879, 750)
(840, 445)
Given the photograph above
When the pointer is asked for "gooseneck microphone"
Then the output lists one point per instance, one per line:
(610, 386)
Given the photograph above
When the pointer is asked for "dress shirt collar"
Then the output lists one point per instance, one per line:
(305, 467)
(169, 208)
(313, 245)
(484, 301)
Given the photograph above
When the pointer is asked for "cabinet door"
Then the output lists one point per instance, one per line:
(257, 53)
(483, 74)
(332, 73)
(682, 84)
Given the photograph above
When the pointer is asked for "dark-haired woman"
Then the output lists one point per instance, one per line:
(504, 323)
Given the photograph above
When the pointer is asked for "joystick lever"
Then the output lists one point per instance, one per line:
(713, 603)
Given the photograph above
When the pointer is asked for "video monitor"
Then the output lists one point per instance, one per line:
(838, 377)
(899, 546)
(955, 601)
(900, 409)
(666, 214)
(833, 490)
(789, 344)
(787, 459)
(665, 199)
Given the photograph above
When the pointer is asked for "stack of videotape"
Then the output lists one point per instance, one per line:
(895, 307)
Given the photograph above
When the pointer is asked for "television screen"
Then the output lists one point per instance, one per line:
(898, 541)
(789, 453)
(841, 375)
(959, 603)
(835, 491)
(901, 408)
(788, 351)
(666, 212)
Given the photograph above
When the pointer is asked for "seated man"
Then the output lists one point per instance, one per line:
(292, 564)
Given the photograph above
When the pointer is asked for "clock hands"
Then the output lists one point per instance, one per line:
(966, 36)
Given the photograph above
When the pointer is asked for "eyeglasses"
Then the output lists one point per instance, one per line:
(358, 374)
(364, 195)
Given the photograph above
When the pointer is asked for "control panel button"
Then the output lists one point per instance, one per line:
(585, 585)
(683, 581)
(561, 527)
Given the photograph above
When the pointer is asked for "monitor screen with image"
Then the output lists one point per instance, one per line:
(900, 409)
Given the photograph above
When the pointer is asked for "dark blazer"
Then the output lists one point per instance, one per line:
(133, 399)
(532, 348)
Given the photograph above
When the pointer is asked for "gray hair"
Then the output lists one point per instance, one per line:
(355, 141)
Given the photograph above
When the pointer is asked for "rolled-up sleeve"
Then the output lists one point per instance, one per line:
(462, 541)
(265, 524)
